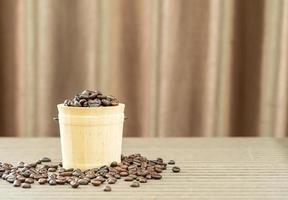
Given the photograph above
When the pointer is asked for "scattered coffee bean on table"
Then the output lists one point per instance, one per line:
(134, 168)
(45, 159)
(107, 188)
(176, 169)
(89, 98)
(171, 162)
(17, 183)
(26, 185)
(135, 184)
(74, 184)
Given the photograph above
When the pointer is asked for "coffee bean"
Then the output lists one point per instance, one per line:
(29, 180)
(176, 169)
(74, 184)
(96, 182)
(26, 174)
(20, 164)
(69, 170)
(117, 176)
(52, 169)
(45, 159)
(101, 96)
(112, 180)
(106, 102)
(114, 102)
(158, 169)
(26, 185)
(128, 178)
(171, 162)
(114, 164)
(38, 162)
(94, 103)
(21, 178)
(135, 184)
(83, 181)
(17, 183)
(52, 182)
(156, 176)
(107, 188)
(69, 173)
(100, 178)
(10, 179)
(42, 181)
(124, 173)
(61, 181)
(143, 180)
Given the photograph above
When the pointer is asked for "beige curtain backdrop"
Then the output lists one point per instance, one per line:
(182, 67)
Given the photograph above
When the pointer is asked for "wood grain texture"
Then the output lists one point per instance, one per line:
(224, 168)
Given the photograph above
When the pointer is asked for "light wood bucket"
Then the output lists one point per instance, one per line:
(90, 136)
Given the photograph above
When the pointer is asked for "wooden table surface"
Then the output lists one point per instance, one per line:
(219, 168)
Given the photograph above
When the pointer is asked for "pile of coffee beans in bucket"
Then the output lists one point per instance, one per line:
(134, 168)
(89, 98)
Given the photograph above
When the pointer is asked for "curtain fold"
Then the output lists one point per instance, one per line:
(183, 68)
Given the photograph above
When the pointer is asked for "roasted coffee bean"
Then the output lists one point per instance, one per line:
(32, 165)
(101, 96)
(142, 180)
(100, 178)
(96, 182)
(42, 181)
(29, 180)
(128, 178)
(26, 174)
(106, 102)
(74, 184)
(135, 184)
(83, 181)
(38, 162)
(45, 159)
(107, 188)
(26, 185)
(114, 102)
(20, 165)
(112, 180)
(21, 178)
(52, 182)
(117, 176)
(158, 169)
(69, 173)
(52, 169)
(17, 183)
(94, 103)
(60, 181)
(114, 164)
(176, 169)
(171, 162)
(156, 176)
(124, 173)
(10, 179)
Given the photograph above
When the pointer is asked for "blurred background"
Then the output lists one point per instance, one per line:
(183, 68)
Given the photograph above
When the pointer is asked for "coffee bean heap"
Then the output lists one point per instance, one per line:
(133, 168)
(89, 98)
